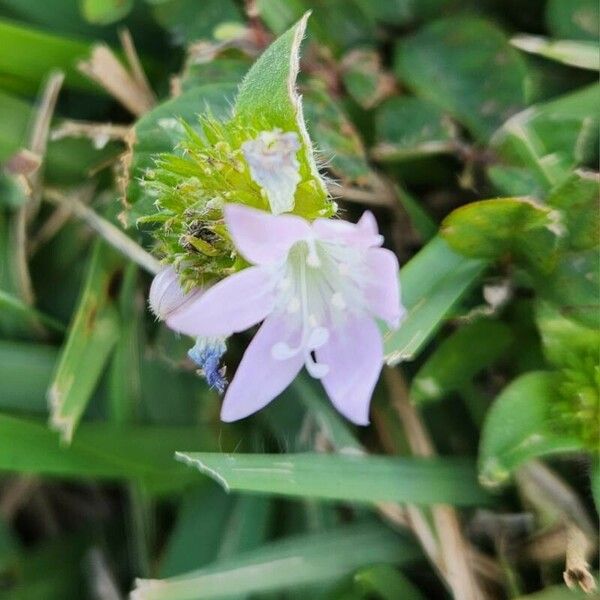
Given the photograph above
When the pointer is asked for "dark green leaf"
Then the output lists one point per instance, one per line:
(189, 20)
(467, 67)
(506, 227)
(459, 358)
(408, 128)
(573, 19)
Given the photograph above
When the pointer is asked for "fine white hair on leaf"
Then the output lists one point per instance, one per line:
(274, 166)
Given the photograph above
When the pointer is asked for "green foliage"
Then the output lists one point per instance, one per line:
(302, 560)
(514, 228)
(481, 116)
(191, 187)
(104, 12)
(91, 336)
(408, 127)
(354, 478)
(519, 427)
(573, 20)
(431, 284)
(467, 67)
(459, 358)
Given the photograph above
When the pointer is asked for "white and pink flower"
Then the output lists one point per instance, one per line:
(318, 288)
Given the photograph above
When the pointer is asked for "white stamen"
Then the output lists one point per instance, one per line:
(319, 281)
(282, 351)
(318, 337)
(315, 369)
(337, 300)
(312, 260)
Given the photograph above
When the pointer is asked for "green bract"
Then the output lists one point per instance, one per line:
(215, 162)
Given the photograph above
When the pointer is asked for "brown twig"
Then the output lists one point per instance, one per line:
(131, 87)
(577, 573)
(99, 133)
(573, 534)
(111, 233)
(454, 549)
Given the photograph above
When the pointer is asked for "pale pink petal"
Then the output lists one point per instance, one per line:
(232, 305)
(260, 377)
(363, 234)
(383, 290)
(355, 357)
(368, 224)
(166, 295)
(262, 238)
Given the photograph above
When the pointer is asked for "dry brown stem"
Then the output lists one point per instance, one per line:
(129, 87)
(111, 233)
(572, 535)
(99, 133)
(577, 571)
(456, 555)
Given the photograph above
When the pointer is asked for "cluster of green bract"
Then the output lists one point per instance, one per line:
(191, 186)
(578, 410)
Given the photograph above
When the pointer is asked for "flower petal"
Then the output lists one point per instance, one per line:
(262, 238)
(166, 295)
(363, 234)
(273, 165)
(355, 357)
(232, 305)
(383, 290)
(260, 377)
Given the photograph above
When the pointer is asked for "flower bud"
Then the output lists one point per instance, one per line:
(166, 294)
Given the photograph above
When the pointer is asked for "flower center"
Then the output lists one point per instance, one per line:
(319, 288)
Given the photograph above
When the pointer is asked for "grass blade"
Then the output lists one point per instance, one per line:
(100, 451)
(92, 335)
(344, 477)
(432, 283)
(301, 560)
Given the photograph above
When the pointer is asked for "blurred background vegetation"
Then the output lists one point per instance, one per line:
(470, 128)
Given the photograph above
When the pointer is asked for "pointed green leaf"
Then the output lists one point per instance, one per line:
(585, 55)
(551, 138)
(269, 91)
(342, 477)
